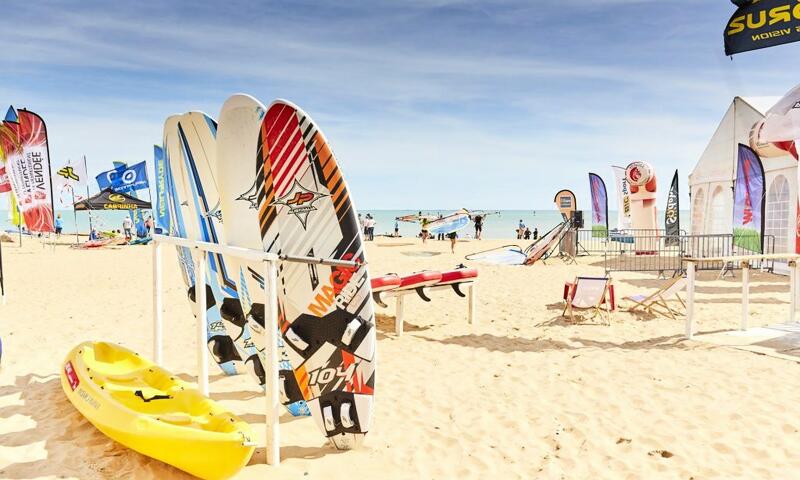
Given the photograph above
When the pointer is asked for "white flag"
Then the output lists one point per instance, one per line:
(69, 182)
(623, 199)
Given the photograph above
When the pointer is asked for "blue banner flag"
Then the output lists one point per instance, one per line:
(162, 182)
(124, 179)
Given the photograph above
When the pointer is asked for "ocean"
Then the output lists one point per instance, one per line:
(496, 226)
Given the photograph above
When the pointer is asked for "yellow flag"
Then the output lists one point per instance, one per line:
(16, 218)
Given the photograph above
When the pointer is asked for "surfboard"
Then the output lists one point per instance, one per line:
(449, 224)
(326, 313)
(237, 170)
(197, 133)
(220, 344)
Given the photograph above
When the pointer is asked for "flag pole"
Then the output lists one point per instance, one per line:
(86, 172)
(75, 215)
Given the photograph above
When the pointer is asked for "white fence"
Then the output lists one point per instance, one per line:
(744, 261)
(270, 271)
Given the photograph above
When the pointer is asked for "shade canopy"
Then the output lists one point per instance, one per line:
(111, 200)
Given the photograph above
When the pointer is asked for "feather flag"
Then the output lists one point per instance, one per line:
(599, 206)
(28, 165)
(748, 202)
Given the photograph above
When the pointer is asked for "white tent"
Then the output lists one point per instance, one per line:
(711, 181)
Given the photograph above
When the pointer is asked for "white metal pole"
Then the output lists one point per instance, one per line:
(271, 368)
(745, 294)
(398, 318)
(158, 327)
(690, 300)
(792, 290)
(471, 302)
(202, 320)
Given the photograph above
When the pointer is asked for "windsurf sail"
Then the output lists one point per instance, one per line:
(542, 247)
(449, 224)
(415, 218)
(515, 255)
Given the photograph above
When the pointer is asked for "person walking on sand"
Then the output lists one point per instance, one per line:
(478, 226)
(424, 232)
(452, 236)
(59, 226)
(127, 227)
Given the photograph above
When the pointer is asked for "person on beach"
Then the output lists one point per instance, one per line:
(396, 229)
(520, 229)
(424, 232)
(478, 226)
(535, 233)
(59, 226)
(369, 223)
(127, 227)
(527, 234)
(93, 234)
(452, 236)
(148, 224)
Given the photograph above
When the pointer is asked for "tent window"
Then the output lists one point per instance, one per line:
(697, 212)
(777, 213)
(721, 215)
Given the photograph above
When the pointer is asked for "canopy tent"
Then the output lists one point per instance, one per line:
(711, 181)
(110, 200)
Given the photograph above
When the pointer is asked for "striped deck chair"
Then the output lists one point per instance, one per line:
(658, 301)
(589, 293)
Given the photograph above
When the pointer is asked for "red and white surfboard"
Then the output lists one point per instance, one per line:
(326, 313)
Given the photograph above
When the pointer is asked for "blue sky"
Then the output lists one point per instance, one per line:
(427, 103)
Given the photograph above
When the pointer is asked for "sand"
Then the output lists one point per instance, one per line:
(521, 394)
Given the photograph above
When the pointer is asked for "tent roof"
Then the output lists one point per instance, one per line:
(761, 104)
(111, 200)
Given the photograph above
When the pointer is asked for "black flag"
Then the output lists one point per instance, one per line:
(672, 215)
(762, 24)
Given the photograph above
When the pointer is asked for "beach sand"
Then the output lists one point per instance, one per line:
(521, 394)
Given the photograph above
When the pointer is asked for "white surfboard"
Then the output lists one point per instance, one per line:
(237, 173)
(220, 344)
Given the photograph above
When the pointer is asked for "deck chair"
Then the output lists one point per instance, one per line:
(658, 301)
(589, 293)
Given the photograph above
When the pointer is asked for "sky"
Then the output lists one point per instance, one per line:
(426, 103)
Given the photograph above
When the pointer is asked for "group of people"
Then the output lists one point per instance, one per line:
(524, 232)
(367, 224)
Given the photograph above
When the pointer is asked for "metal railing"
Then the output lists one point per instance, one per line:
(648, 252)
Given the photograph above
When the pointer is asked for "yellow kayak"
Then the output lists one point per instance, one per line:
(147, 409)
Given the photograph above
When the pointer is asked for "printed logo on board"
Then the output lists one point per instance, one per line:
(250, 196)
(300, 201)
(72, 377)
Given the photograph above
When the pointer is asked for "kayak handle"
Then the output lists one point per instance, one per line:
(139, 394)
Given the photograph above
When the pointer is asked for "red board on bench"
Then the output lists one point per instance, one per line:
(385, 282)
(458, 275)
(420, 279)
